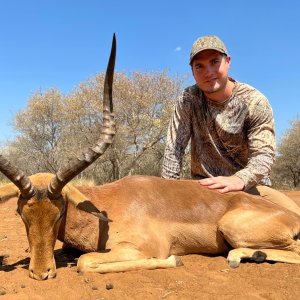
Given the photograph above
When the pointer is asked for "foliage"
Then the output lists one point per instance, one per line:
(54, 128)
(286, 171)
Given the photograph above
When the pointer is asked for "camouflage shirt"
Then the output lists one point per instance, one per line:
(235, 137)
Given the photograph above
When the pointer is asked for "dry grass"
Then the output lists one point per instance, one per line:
(80, 182)
(84, 182)
(4, 182)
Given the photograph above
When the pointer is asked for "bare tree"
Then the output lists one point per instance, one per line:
(144, 106)
(39, 128)
(53, 128)
(286, 171)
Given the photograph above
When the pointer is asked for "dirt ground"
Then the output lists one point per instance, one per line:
(201, 277)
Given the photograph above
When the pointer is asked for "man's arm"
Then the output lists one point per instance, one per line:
(178, 136)
(261, 143)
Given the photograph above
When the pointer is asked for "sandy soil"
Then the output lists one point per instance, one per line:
(201, 277)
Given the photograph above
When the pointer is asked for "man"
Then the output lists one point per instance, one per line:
(230, 125)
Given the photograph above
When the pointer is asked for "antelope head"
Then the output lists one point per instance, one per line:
(42, 197)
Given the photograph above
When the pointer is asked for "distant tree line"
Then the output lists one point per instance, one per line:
(54, 128)
(286, 170)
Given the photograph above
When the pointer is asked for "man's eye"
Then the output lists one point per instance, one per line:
(215, 61)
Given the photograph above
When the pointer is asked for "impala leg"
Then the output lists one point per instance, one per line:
(121, 261)
(259, 255)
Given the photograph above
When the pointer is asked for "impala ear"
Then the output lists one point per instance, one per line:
(8, 191)
(80, 201)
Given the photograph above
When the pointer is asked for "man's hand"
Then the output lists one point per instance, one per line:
(223, 184)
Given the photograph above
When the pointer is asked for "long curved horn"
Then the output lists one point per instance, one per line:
(17, 177)
(62, 177)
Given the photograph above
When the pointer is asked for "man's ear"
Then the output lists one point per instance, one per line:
(8, 191)
(228, 59)
(80, 201)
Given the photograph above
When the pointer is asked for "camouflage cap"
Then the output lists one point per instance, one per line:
(205, 43)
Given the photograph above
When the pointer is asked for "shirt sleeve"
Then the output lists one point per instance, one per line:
(178, 136)
(261, 143)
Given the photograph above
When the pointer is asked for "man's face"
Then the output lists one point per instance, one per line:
(210, 70)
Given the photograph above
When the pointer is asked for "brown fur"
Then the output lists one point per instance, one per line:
(152, 218)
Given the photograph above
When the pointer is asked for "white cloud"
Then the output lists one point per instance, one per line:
(177, 49)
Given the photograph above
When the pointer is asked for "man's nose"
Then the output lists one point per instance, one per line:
(208, 70)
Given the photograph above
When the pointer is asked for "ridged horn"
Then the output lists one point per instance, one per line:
(107, 133)
(17, 177)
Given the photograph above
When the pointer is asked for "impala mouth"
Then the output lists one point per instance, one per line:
(39, 272)
(43, 276)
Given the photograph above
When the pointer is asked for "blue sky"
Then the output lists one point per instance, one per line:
(62, 43)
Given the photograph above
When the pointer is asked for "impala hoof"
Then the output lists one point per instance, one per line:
(178, 261)
(233, 263)
(259, 256)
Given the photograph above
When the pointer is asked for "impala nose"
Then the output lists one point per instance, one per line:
(42, 275)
